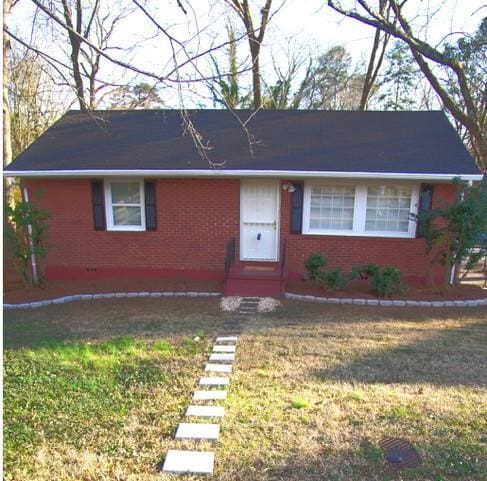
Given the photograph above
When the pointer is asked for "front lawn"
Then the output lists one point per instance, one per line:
(95, 390)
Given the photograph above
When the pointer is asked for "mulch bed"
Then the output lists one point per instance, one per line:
(56, 289)
(361, 289)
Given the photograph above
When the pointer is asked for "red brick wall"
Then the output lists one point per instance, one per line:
(344, 252)
(195, 218)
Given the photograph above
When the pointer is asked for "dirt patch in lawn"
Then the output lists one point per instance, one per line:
(362, 290)
(55, 289)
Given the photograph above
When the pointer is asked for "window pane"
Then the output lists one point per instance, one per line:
(388, 208)
(125, 192)
(332, 207)
(127, 215)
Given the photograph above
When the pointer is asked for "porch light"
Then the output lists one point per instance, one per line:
(288, 187)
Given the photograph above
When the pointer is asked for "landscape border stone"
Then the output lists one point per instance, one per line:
(287, 295)
(387, 302)
(109, 295)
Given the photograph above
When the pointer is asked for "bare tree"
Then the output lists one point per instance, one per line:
(432, 63)
(35, 101)
(7, 136)
(255, 37)
(379, 45)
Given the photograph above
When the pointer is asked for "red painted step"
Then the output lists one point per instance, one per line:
(262, 279)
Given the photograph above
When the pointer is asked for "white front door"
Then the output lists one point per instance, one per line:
(259, 220)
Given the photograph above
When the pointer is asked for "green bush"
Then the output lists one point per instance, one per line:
(364, 272)
(314, 263)
(387, 282)
(333, 280)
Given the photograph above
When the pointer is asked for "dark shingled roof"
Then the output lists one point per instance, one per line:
(285, 140)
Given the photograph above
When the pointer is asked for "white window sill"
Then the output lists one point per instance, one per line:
(392, 235)
(126, 229)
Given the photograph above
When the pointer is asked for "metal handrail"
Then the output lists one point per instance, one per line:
(283, 257)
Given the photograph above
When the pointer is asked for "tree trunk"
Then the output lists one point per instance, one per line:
(7, 136)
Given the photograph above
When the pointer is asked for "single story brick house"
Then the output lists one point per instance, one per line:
(130, 195)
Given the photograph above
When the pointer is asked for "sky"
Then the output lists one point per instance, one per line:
(300, 26)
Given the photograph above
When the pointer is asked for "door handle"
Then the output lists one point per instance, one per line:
(258, 236)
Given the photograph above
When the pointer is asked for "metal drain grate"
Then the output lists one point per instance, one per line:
(400, 454)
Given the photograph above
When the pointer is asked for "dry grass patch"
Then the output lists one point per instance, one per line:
(363, 375)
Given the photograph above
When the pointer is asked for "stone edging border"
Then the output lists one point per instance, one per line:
(287, 295)
(386, 302)
(111, 295)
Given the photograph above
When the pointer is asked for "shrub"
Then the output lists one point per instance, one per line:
(387, 281)
(364, 272)
(333, 280)
(314, 263)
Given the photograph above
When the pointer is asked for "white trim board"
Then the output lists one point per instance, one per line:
(289, 174)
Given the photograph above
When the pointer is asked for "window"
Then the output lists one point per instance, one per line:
(366, 210)
(125, 205)
(388, 208)
(331, 207)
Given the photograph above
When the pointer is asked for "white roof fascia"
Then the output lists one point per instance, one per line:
(216, 173)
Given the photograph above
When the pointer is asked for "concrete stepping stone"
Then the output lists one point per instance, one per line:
(218, 368)
(227, 339)
(189, 462)
(206, 411)
(214, 381)
(224, 348)
(222, 357)
(197, 431)
(210, 395)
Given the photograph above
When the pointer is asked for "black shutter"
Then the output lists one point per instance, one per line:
(425, 203)
(150, 205)
(97, 194)
(297, 208)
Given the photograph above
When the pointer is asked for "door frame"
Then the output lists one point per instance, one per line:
(277, 183)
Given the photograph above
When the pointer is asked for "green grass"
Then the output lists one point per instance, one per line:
(82, 394)
(299, 403)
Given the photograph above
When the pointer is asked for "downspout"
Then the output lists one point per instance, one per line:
(33, 261)
(454, 267)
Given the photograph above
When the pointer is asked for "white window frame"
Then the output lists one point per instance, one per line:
(359, 211)
(109, 207)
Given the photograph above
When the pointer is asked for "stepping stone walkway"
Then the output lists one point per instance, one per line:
(222, 357)
(224, 349)
(210, 395)
(218, 368)
(195, 431)
(248, 305)
(189, 462)
(206, 411)
(214, 381)
(202, 462)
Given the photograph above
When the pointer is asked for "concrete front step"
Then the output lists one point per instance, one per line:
(189, 462)
(214, 381)
(206, 411)
(222, 357)
(211, 395)
(198, 431)
(224, 348)
(218, 368)
(254, 287)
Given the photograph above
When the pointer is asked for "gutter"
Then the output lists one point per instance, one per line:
(33, 261)
(217, 173)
